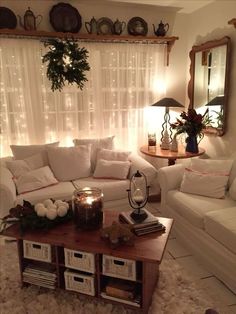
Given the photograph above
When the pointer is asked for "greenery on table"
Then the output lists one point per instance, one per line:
(67, 63)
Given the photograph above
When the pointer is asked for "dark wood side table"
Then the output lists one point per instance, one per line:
(156, 151)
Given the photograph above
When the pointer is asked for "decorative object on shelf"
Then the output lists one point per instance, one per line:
(118, 234)
(30, 20)
(118, 27)
(87, 205)
(152, 140)
(138, 193)
(66, 63)
(91, 26)
(41, 216)
(166, 133)
(65, 18)
(161, 30)
(174, 144)
(137, 26)
(7, 18)
(193, 124)
(104, 26)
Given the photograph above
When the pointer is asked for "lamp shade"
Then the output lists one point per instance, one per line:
(167, 102)
(217, 101)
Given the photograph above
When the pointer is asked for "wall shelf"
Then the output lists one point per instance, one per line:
(232, 22)
(169, 41)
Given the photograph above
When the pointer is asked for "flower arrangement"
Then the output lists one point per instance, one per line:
(41, 216)
(191, 123)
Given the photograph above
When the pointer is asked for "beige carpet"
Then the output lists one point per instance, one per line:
(175, 294)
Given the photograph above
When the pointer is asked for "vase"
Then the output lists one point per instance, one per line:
(191, 144)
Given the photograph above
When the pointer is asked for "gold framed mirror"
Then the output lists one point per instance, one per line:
(209, 82)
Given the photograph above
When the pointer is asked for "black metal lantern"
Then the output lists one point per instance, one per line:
(138, 193)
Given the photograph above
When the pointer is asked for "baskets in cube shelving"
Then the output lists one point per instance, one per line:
(79, 282)
(119, 267)
(80, 260)
(37, 251)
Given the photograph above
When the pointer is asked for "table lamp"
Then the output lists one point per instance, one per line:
(166, 133)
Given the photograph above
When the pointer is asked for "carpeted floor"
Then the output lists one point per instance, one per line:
(175, 294)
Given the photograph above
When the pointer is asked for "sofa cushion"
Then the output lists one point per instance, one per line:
(24, 151)
(221, 225)
(205, 184)
(108, 154)
(211, 166)
(111, 169)
(112, 189)
(70, 163)
(96, 143)
(232, 190)
(62, 191)
(194, 207)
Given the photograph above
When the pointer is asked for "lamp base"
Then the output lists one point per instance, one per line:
(138, 215)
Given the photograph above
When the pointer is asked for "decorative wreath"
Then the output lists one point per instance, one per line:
(67, 63)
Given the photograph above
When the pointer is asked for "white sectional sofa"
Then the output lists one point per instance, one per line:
(114, 190)
(205, 225)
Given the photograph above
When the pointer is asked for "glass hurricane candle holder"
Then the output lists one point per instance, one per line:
(87, 206)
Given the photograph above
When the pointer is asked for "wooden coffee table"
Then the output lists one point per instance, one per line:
(146, 255)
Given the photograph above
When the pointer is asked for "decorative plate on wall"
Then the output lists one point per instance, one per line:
(104, 26)
(65, 18)
(137, 26)
(7, 18)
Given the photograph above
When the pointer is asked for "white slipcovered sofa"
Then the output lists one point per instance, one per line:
(114, 189)
(205, 225)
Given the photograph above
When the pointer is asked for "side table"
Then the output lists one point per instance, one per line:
(157, 152)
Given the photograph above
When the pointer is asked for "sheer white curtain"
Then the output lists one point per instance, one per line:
(123, 80)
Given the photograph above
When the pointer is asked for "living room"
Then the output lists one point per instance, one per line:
(44, 116)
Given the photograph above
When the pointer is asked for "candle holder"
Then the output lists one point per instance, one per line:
(152, 141)
(138, 193)
(87, 206)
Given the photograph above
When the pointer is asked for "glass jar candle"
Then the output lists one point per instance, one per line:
(87, 206)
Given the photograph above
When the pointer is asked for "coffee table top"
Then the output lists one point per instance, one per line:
(148, 247)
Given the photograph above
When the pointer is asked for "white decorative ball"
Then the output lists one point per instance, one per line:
(51, 214)
(65, 204)
(42, 211)
(38, 206)
(62, 211)
(48, 203)
(52, 207)
(58, 202)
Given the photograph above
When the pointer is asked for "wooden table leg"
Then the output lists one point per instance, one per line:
(171, 162)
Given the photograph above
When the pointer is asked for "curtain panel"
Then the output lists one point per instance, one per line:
(124, 79)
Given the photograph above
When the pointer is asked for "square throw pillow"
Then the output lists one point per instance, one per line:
(20, 167)
(205, 184)
(108, 154)
(112, 169)
(70, 163)
(24, 151)
(211, 166)
(96, 143)
(35, 179)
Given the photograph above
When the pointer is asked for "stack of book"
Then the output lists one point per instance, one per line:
(148, 225)
(40, 276)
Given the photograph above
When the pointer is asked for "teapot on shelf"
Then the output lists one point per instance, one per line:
(30, 20)
(118, 27)
(91, 26)
(161, 30)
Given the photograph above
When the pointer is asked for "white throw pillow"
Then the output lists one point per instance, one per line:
(205, 184)
(232, 190)
(111, 169)
(108, 154)
(96, 143)
(70, 163)
(24, 151)
(20, 167)
(211, 166)
(35, 179)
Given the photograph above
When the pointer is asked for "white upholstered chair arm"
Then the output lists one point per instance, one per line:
(7, 191)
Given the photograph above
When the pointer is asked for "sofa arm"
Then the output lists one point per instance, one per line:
(138, 163)
(7, 191)
(170, 179)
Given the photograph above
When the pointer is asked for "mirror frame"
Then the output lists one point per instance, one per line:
(205, 47)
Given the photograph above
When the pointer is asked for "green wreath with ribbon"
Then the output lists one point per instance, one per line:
(66, 63)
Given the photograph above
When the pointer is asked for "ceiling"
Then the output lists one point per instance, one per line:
(182, 6)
